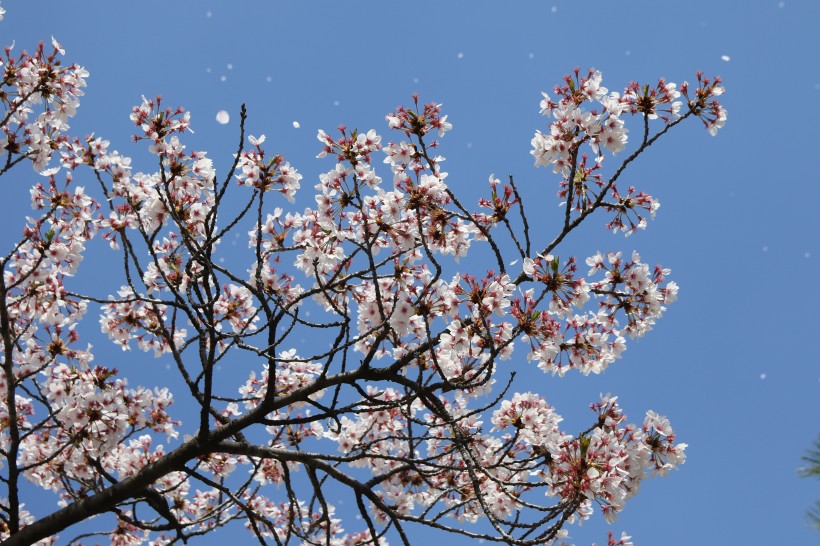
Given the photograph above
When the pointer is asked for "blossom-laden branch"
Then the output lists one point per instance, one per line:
(405, 397)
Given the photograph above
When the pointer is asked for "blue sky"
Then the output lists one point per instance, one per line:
(733, 364)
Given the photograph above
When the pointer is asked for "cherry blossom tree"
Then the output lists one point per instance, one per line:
(405, 402)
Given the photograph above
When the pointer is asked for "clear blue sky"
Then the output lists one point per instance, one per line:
(733, 364)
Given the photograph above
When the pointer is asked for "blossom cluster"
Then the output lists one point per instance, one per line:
(631, 287)
(272, 174)
(586, 112)
(96, 412)
(39, 97)
(606, 466)
(132, 317)
(472, 473)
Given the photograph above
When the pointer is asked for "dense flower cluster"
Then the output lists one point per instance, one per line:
(96, 413)
(403, 395)
(274, 173)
